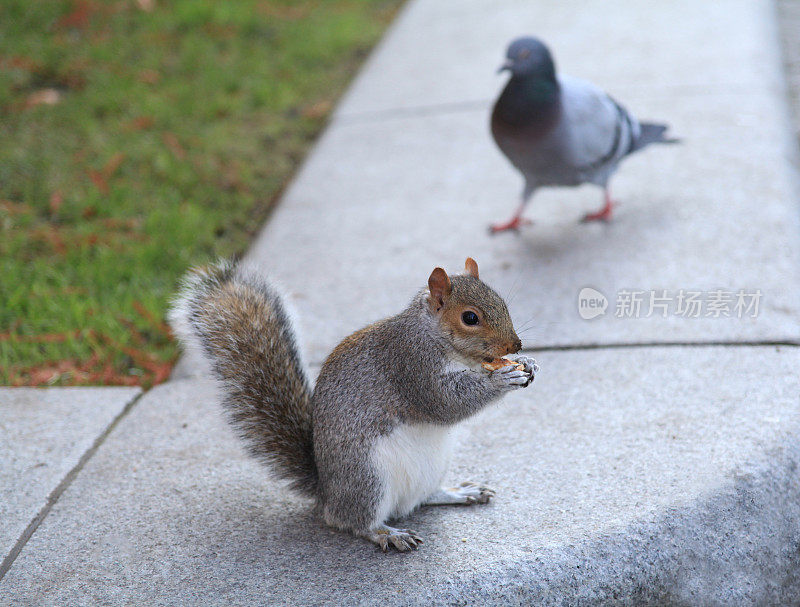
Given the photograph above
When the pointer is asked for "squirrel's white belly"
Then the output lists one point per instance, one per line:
(412, 461)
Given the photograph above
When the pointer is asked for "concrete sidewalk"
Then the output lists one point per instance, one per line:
(46, 436)
(629, 474)
(646, 466)
(406, 179)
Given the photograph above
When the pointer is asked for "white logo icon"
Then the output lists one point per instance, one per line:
(591, 303)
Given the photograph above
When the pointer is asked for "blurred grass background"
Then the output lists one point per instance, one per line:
(139, 137)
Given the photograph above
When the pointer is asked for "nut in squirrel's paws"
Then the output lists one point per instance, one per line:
(512, 374)
(499, 363)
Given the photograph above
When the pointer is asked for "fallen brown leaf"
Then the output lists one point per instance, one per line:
(43, 97)
(140, 123)
(22, 63)
(14, 208)
(173, 144)
(113, 164)
(99, 181)
(56, 199)
(288, 13)
(162, 327)
(317, 110)
(78, 17)
(149, 76)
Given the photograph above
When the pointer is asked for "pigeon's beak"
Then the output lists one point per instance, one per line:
(507, 65)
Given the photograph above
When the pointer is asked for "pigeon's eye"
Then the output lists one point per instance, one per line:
(524, 53)
(470, 318)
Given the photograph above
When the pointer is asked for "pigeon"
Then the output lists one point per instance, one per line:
(561, 131)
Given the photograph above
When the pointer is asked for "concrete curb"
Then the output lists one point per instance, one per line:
(637, 476)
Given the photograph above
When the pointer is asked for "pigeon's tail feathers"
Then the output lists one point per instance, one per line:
(652, 133)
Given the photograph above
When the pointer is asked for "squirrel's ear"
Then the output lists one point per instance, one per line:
(471, 267)
(440, 287)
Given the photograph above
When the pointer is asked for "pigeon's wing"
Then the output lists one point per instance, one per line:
(596, 130)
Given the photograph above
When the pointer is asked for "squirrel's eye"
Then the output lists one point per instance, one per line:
(469, 318)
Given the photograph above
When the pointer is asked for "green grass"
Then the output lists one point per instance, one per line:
(174, 131)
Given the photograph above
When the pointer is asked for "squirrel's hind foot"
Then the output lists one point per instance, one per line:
(402, 539)
(466, 493)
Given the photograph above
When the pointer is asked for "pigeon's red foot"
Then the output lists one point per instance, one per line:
(515, 223)
(603, 214)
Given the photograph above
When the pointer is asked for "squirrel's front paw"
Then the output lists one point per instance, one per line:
(531, 367)
(511, 378)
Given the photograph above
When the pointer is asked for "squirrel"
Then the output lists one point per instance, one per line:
(371, 441)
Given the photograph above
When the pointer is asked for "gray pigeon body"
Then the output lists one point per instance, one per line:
(562, 131)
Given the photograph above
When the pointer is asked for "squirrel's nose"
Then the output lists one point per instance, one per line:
(514, 346)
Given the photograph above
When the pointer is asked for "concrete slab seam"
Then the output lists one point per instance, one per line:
(791, 343)
(62, 486)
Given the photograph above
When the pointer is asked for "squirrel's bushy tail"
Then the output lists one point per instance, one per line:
(241, 325)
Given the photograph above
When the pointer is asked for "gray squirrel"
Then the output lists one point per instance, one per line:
(372, 440)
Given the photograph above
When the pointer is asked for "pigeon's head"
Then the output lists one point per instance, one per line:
(529, 57)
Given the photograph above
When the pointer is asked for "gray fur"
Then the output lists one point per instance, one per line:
(391, 373)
